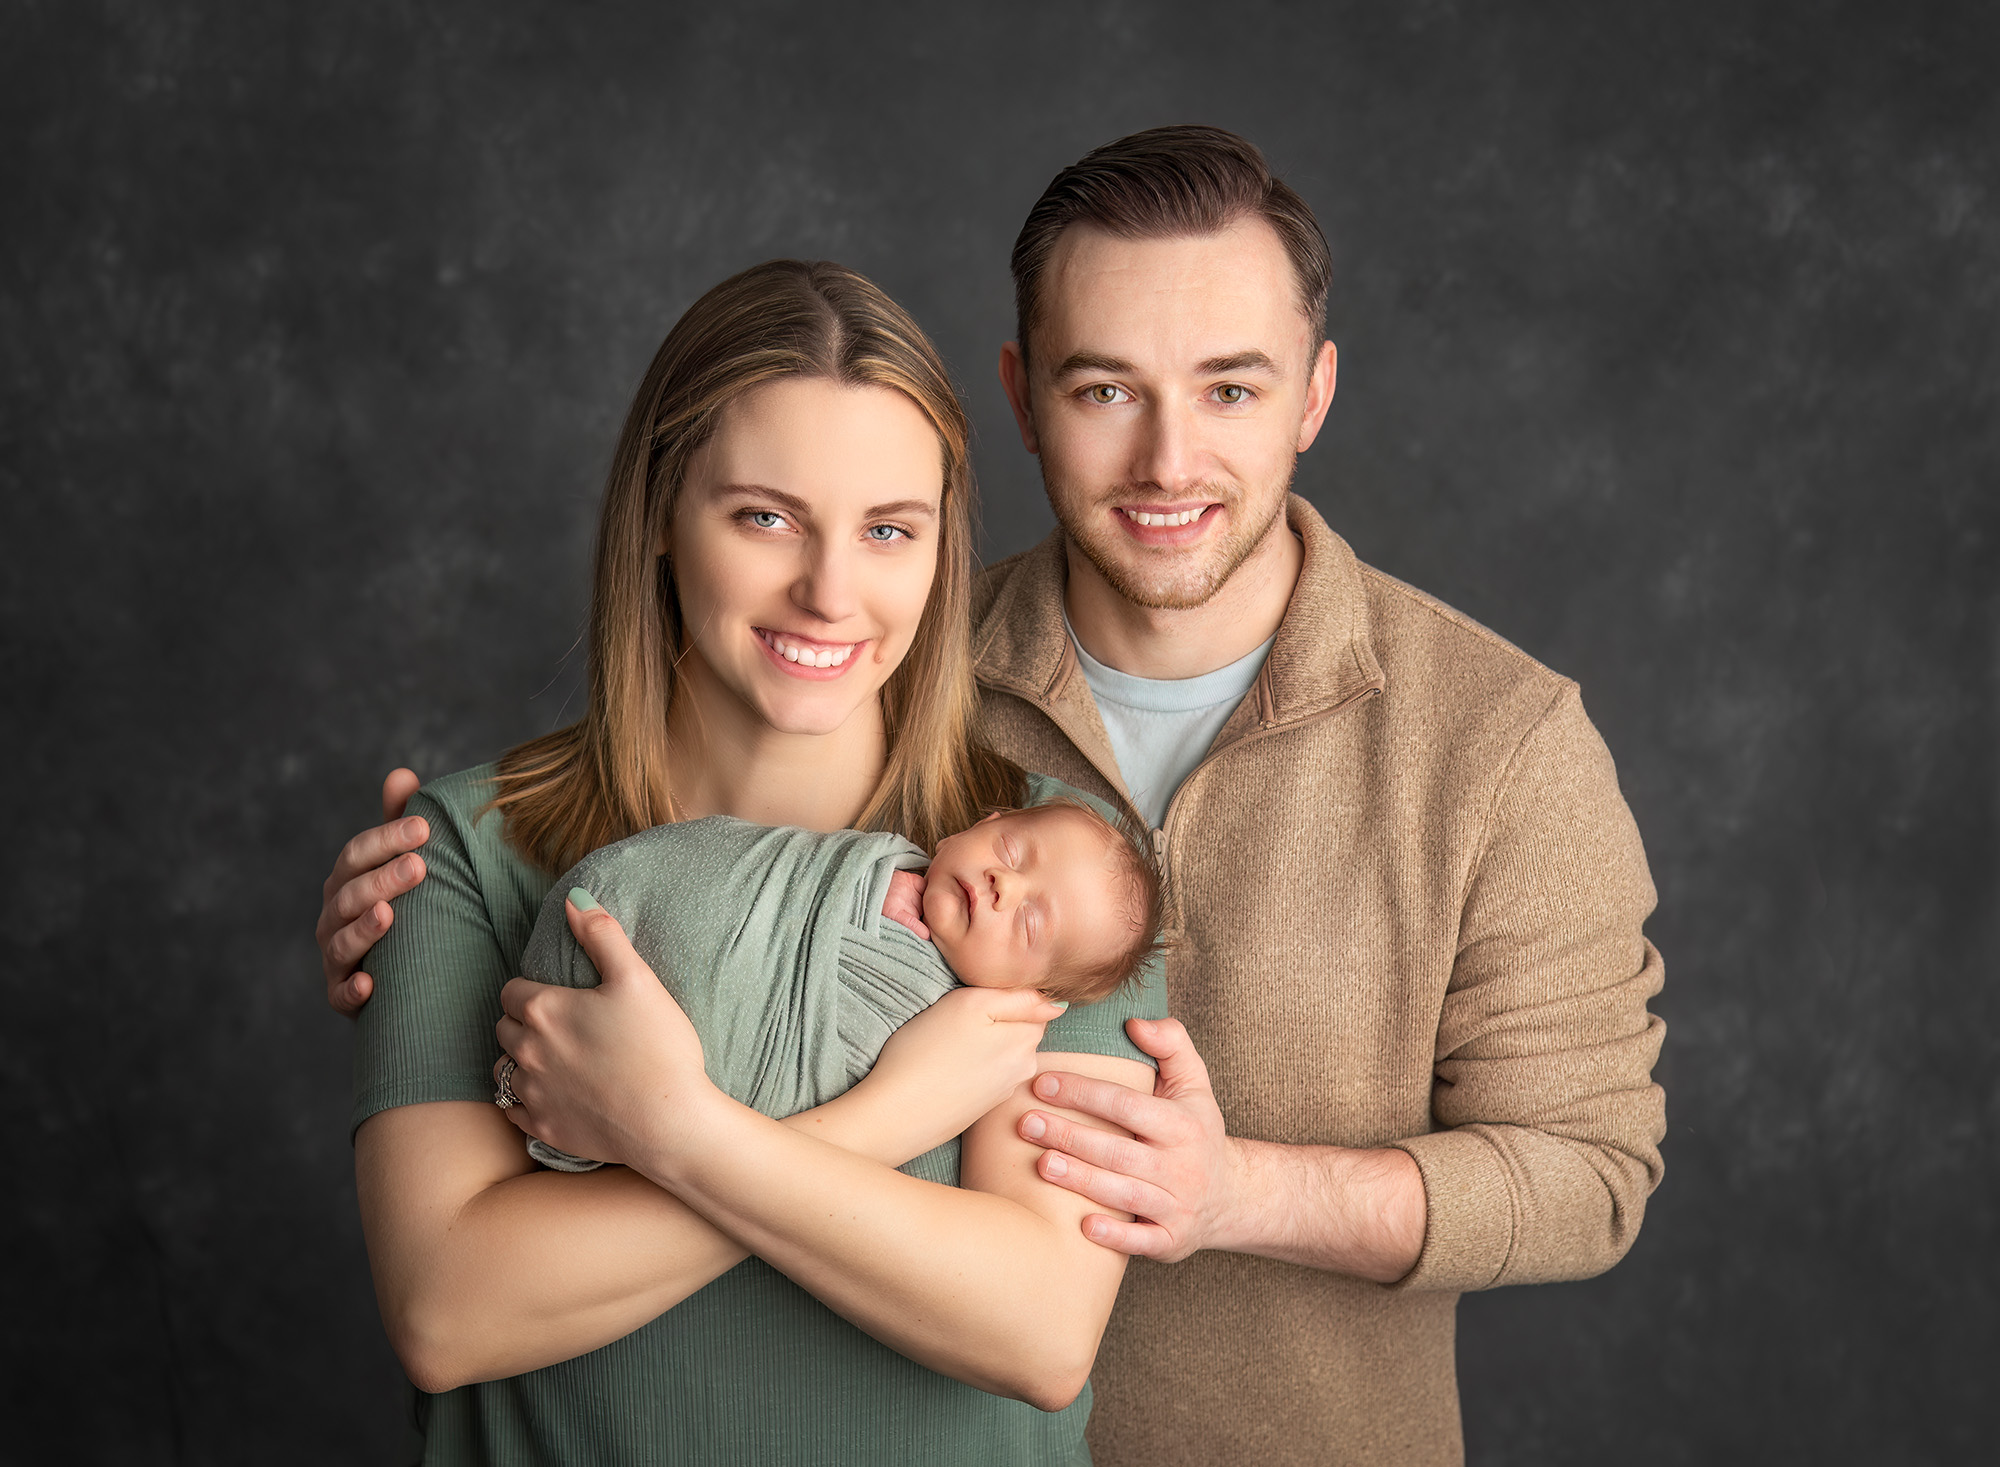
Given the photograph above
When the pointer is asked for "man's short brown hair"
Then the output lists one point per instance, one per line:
(1164, 183)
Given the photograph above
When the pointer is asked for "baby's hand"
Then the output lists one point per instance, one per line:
(905, 902)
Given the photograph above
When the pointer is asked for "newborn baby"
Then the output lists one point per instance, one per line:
(796, 953)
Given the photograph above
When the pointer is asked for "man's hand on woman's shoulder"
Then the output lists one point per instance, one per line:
(354, 912)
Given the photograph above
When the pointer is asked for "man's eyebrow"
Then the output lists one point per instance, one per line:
(1242, 361)
(1090, 361)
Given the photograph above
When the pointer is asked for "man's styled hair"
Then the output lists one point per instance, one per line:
(1164, 183)
(1094, 981)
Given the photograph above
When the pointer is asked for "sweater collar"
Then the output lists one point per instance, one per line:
(1320, 660)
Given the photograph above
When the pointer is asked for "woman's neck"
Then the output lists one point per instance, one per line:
(728, 761)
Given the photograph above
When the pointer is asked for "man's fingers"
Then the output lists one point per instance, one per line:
(1105, 1099)
(383, 884)
(1100, 1149)
(350, 995)
(377, 847)
(1138, 1239)
(396, 792)
(1105, 1188)
(1181, 1068)
(346, 948)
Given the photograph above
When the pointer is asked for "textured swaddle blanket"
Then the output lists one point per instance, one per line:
(771, 938)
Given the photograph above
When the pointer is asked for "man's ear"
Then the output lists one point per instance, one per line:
(1014, 382)
(1319, 394)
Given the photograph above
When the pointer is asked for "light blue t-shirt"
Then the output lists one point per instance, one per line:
(1161, 727)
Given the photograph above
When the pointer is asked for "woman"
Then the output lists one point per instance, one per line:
(778, 632)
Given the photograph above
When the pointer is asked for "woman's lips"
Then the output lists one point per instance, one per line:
(807, 657)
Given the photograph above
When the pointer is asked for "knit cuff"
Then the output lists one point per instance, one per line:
(1469, 1232)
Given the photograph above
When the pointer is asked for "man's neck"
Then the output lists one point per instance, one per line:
(728, 761)
(1149, 642)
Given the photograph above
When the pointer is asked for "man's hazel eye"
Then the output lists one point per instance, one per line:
(1104, 392)
(1230, 392)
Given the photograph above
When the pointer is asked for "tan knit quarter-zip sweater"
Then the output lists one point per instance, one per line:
(1406, 897)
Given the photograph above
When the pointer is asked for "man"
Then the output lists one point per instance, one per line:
(1412, 1054)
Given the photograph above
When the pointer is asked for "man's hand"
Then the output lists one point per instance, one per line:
(1181, 1174)
(1359, 1211)
(354, 911)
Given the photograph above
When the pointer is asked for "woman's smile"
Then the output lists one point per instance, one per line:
(807, 657)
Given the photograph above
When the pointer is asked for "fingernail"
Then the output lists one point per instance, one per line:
(1057, 1167)
(1046, 1086)
(1033, 1127)
(582, 900)
(1061, 1003)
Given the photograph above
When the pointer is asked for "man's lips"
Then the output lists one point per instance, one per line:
(1167, 524)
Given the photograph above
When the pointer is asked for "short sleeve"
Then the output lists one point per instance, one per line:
(1099, 1028)
(426, 1033)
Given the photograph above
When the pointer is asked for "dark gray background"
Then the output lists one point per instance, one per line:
(1668, 351)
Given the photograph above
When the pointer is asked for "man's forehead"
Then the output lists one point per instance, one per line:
(1179, 301)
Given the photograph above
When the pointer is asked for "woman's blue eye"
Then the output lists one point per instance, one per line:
(765, 519)
(883, 534)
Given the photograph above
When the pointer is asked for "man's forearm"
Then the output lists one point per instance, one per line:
(1346, 1209)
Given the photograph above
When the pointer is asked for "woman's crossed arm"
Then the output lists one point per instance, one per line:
(486, 1267)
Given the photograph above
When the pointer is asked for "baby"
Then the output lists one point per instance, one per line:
(796, 953)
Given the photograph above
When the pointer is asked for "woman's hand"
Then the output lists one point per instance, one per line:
(960, 1057)
(601, 1071)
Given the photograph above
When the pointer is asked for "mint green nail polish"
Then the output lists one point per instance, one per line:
(582, 900)
(1061, 1003)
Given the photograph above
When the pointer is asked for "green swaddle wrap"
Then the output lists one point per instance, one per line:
(771, 938)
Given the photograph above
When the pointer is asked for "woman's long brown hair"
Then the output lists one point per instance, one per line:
(608, 776)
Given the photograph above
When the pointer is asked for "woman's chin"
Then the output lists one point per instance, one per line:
(808, 715)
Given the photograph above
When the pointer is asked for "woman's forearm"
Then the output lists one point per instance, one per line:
(997, 1287)
(486, 1269)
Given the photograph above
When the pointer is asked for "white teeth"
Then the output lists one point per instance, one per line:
(1178, 517)
(811, 656)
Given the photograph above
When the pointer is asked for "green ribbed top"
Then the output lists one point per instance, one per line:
(751, 1369)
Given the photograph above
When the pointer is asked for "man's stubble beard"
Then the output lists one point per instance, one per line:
(1184, 580)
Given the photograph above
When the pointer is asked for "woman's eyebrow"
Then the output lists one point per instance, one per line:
(903, 506)
(790, 502)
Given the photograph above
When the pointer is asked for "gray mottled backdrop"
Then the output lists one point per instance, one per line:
(1668, 350)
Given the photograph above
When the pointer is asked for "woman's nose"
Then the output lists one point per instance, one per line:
(829, 587)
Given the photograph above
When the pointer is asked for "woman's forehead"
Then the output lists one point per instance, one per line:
(823, 440)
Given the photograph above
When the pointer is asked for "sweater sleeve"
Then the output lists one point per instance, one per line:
(1549, 1121)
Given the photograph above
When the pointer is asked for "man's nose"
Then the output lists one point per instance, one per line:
(829, 585)
(1169, 449)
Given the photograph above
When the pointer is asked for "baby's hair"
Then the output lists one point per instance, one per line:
(1091, 982)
